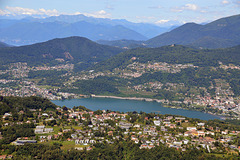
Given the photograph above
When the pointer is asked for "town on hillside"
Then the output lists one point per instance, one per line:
(80, 129)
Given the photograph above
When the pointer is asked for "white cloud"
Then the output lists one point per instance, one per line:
(162, 21)
(98, 14)
(225, 2)
(191, 7)
(27, 11)
(16, 11)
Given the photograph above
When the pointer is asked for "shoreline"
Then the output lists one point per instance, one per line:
(153, 100)
(129, 98)
(149, 100)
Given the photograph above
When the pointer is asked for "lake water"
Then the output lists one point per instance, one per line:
(131, 105)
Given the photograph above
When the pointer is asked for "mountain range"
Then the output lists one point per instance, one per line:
(33, 30)
(222, 33)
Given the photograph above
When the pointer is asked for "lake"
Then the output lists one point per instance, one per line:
(131, 105)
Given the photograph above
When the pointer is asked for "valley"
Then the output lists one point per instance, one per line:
(210, 86)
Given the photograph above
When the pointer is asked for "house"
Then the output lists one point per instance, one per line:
(191, 133)
(110, 133)
(40, 127)
(191, 128)
(170, 125)
(185, 141)
(22, 142)
(74, 136)
(151, 146)
(180, 118)
(169, 117)
(92, 141)
(3, 156)
(201, 133)
(38, 131)
(177, 143)
(124, 125)
(49, 137)
(157, 123)
(143, 146)
(48, 130)
(137, 126)
(201, 124)
(79, 141)
(45, 114)
(208, 140)
(43, 137)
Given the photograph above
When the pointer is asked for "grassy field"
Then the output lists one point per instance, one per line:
(187, 124)
(77, 127)
(66, 145)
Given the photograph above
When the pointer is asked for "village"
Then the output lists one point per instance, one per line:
(80, 128)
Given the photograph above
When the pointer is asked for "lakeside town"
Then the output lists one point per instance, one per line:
(79, 128)
(15, 82)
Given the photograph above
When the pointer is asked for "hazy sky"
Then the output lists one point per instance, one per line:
(152, 11)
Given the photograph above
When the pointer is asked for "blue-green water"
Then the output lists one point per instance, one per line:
(131, 105)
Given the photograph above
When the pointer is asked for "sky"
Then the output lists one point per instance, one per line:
(148, 11)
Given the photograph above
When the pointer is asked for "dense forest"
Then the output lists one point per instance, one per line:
(98, 85)
(16, 104)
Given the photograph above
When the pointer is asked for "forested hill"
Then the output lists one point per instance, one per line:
(222, 33)
(73, 49)
(175, 54)
(16, 104)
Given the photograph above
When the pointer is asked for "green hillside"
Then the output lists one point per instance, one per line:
(77, 50)
(173, 54)
(16, 104)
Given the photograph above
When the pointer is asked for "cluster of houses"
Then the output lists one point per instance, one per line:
(168, 130)
(148, 132)
(158, 66)
(42, 130)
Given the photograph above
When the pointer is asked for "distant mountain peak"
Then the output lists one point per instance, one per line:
(224, 32)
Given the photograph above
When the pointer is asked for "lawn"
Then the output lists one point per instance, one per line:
(68, 145)
(187, 125)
